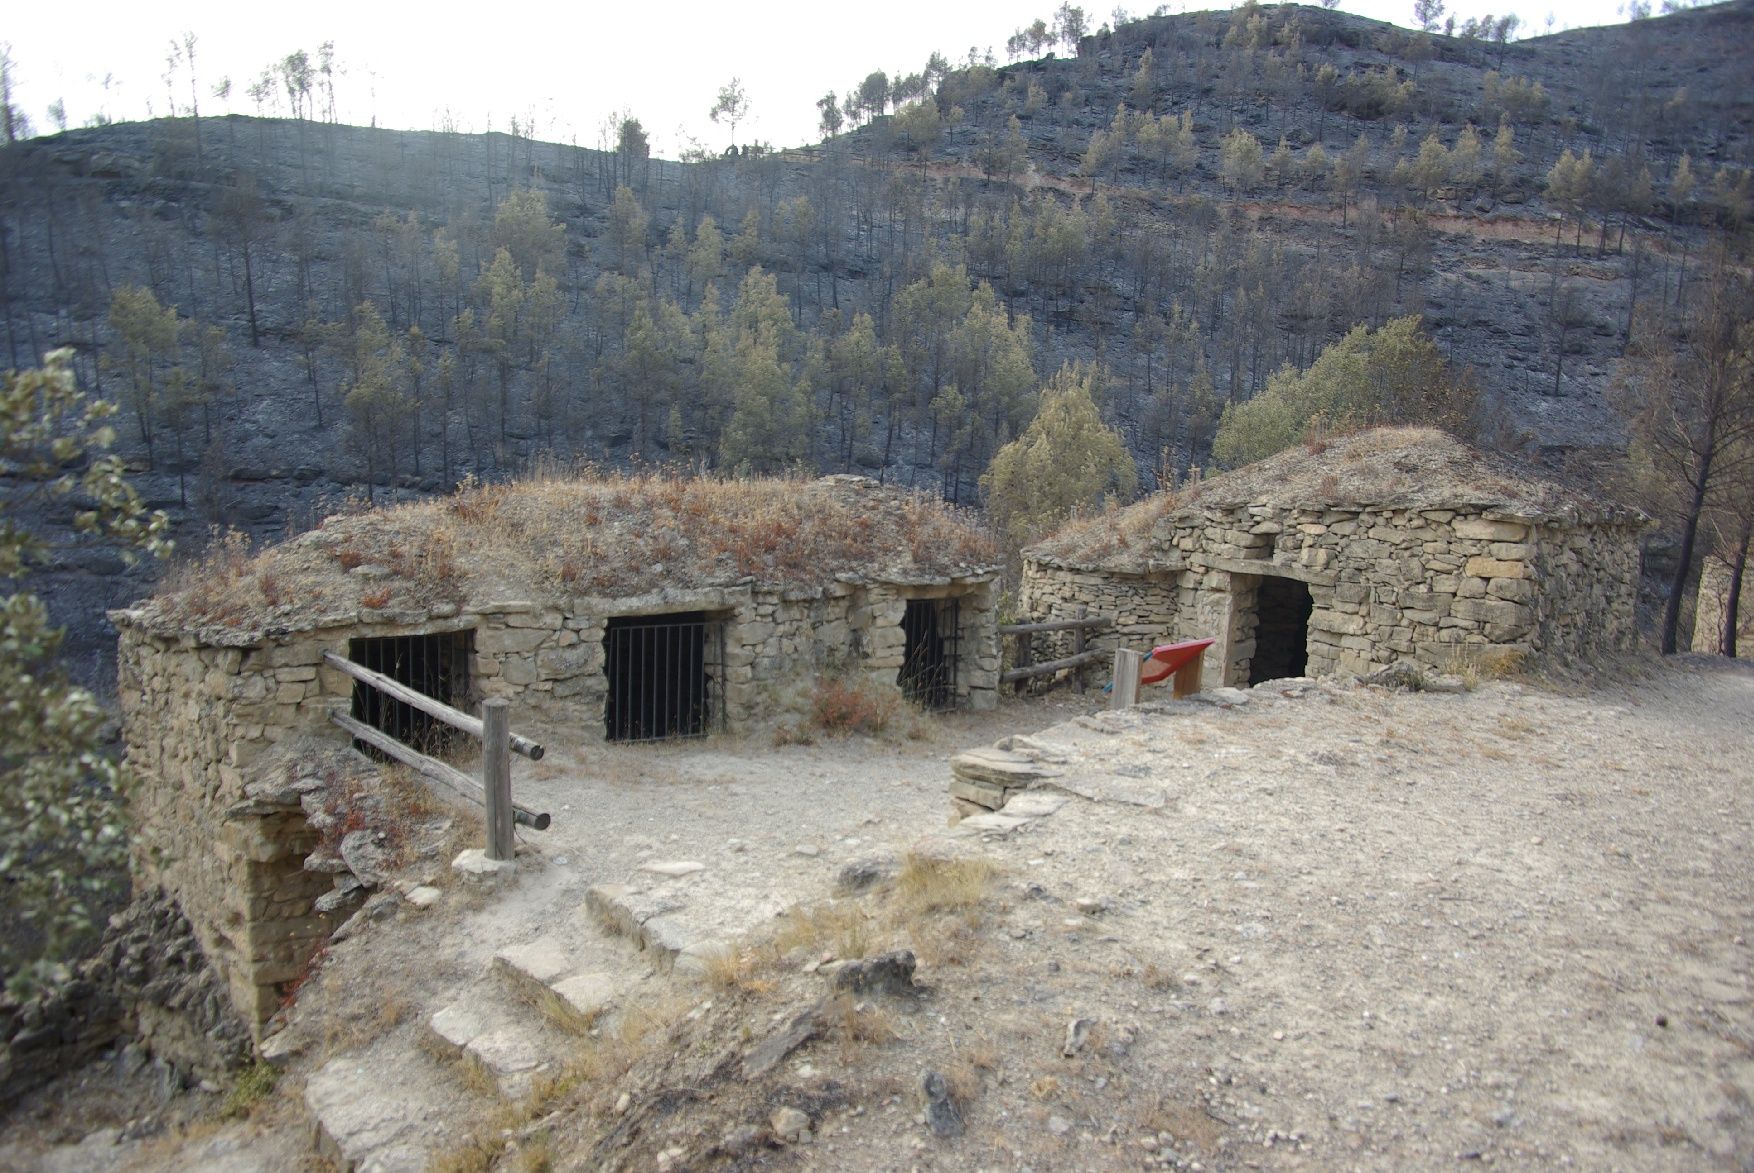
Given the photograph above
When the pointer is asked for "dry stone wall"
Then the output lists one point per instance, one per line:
(1713, 605)
(1142, 608)
(879, 645)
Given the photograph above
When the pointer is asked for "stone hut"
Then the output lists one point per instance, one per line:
(622, 609)
(1389, 546)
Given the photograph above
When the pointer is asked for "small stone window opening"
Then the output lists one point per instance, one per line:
(1282, 608)
(436, 665)
(665, 676)
(931, 629)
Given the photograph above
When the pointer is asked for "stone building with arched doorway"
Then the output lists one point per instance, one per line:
(1393, 545)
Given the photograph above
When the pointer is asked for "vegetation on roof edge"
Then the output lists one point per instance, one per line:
(561, 535)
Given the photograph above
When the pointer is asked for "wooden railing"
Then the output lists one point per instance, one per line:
(1026, 667)
(492, 729)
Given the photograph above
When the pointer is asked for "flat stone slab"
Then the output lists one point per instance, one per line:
(512, 1054)
(424, 896)
(1034, 804)
(992, 821)
(533, 966)
(366, 1122)
(507, 1046)
(672, 868)
(999, 767)
(587, 995)
(458, 1024)
(655, 924)
(1220, 696)
(979, 793)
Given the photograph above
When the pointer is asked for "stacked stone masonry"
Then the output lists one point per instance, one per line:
(1443, 589)
(200, 722)
(1714, 605)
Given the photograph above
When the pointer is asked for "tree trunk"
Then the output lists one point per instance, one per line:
(1733, 597)
(1689, 535)
(250, 297)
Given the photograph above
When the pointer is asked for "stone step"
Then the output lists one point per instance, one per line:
(658, 923)
(545, 974)
(508, 1040)
(364, 1121)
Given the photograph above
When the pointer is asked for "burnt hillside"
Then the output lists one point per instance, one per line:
(1190, 202)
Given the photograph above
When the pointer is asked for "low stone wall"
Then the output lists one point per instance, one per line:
(197, 722)
(1141, 608)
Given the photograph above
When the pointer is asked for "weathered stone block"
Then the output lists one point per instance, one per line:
(1491, 531)
(1491, 611)
(1338, 622)
(562, 663)
(507, 641)
(518, 670)
(1519, 590)
(1496, 568)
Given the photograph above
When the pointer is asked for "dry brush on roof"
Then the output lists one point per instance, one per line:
(1400, 468)
(1112, 539)
(1395, 468)
(597, 535)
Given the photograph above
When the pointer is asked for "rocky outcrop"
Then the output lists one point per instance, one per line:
(148, 979)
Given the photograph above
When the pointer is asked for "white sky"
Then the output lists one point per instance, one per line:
(569, 67)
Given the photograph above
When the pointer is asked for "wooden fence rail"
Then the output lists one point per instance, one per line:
(498, 742)
(1026, 667)
(445, 775)
(455, 718)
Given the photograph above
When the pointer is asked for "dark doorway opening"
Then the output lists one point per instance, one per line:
(436, 665)
(1282, 606)
(930, 628)
(661, 671)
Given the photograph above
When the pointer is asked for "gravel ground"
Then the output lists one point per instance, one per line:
(1320, 926)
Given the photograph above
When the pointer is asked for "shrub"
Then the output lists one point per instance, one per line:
(844, 707)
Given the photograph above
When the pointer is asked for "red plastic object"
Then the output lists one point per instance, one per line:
(1166, 659)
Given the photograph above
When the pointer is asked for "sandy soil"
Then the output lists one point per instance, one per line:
(1327, 926)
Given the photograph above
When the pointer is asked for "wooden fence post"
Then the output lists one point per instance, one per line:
(1126, 687)
(496, 776)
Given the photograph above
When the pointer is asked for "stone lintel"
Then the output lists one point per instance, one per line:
(1326, 578)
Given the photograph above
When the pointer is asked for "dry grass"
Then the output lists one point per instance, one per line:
(356, 1015)
(841, 927)
(1477, 663)
(1415, 467)
(749, 969)
(928, 884)
(570, 533)
(563, 1014)
(477, 1152)
(857, 1023)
